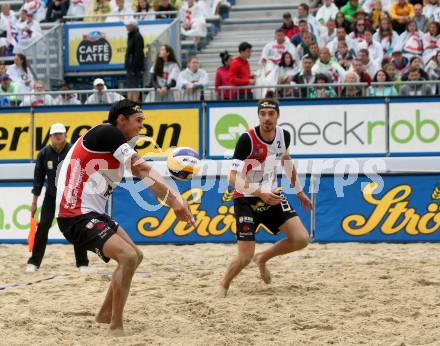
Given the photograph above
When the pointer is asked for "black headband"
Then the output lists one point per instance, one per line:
(271, 104)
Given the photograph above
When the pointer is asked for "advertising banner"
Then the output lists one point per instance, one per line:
(101, 46)
(415, 126)
(210, 200)
(164, 127)
(401, 209)
(15, 213)
(317, 129)
(15, 135)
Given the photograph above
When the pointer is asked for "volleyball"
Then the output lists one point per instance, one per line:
(183, 163)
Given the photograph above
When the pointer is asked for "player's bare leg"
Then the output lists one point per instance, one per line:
(296, 239)
(119, 250)
(246, 250)
(105, 313)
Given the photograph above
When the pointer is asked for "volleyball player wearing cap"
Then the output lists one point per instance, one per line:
(46, 166)
(257, 199)
(92, 169)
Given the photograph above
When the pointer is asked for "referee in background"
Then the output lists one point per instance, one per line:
(46, 165)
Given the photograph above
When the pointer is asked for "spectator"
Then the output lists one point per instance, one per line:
(431, 10)
(39, 99)
(121, 13)
(193, 80)
(98, 8)
(165, 6)
(193, 21)
(341, 35)
(144, 11)
(344, 56)
(431, 41)
(77, 8)
(433, 67)
(289, 27)
(134, 59)
(303, 30)
(386, 36)
(401, 13)
(416, 62)
(27, 32)
(420, 20)
(322, 91)
(410, 41)
(7, 18)
(349, 10)
(415, 89)
(8, 87)
(304, 46)
(21, 74)
(358, 67)
(327, 65)
(400, 62)
(326, 12)
(391, 71)
(358, 33)
(313, 51)
(35, 8)
(99, 95)
(66, 98)
(351, 91)
(374, 48)
(382, 89)
(222, 76)
(342, 23)
(361, 15)
(240, 72)
(329, 33)
(303, 13)
(284, 73)
(371, 66)
(56, 9)
(164, 75)
(305, 76)
(375, 13)
(272, 52)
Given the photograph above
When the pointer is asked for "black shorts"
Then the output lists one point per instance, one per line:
(250, 212)
(89, 231)
(134, 79)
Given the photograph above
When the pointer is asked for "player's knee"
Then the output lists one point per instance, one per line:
(129, 259)
(302, 242)
(245, 260)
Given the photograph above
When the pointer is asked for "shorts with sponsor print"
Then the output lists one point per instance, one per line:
(250, 212)
(89, 231)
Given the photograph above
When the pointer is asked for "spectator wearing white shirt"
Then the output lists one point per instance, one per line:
(193, 21)
(101, 97)
(328, 66)
(272, 52)
(192, 80)
(21, 74)
(314, 25)
(77, 8)
(37, 100)
(386, 36)
(121, 13)
(358, 33)
(35, 8)
(67, 98)
(328, 33)
(326, 12)
(431, 41)
(410, 41)
(374, 48)
(27, 32)
(7, 18)
(341, 35)
(371, 66)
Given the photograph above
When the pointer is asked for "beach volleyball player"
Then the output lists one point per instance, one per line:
(92, 169)
(257, 198)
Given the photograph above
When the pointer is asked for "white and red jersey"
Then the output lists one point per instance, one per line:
(257, 160)
(93, 167)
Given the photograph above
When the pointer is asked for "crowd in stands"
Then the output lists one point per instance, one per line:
(338, 42)
(334, 42)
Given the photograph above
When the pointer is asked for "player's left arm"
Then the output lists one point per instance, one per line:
(291, 173)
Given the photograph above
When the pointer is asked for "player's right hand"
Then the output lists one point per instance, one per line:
(183, 213)
(270, 197)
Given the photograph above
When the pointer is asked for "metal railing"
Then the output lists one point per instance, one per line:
(135, 15)
(147, 95)
(45, 56)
